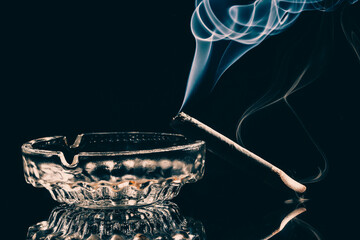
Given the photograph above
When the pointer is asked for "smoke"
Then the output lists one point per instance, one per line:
(311, 69)
(295, 74)
(224, 31)
(351, 30)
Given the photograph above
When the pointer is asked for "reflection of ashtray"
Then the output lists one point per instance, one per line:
(152, 222)
(113, 169)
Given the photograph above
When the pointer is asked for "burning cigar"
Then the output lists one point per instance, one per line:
(233, 152)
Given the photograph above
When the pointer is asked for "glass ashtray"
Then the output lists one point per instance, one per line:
(116, 169)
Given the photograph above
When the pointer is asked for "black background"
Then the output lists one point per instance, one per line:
(70, 68)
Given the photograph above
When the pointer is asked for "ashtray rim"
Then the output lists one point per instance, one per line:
(28, 147)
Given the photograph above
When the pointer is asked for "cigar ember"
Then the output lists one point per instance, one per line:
(229, 150)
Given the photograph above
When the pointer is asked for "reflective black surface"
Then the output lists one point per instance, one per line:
(73, 68)
(157, 221)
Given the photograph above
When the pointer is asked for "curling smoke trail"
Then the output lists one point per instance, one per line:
(311, 71)
(224, 31)
(351, 30)
(286, 85)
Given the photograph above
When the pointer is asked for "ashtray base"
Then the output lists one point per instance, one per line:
(117, 195)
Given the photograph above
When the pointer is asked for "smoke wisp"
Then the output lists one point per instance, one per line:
(351, 29)
(226, 30)
(294, 75)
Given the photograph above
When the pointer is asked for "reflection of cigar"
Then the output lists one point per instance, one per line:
(234, 153)
(266, 226)
(285, 221)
